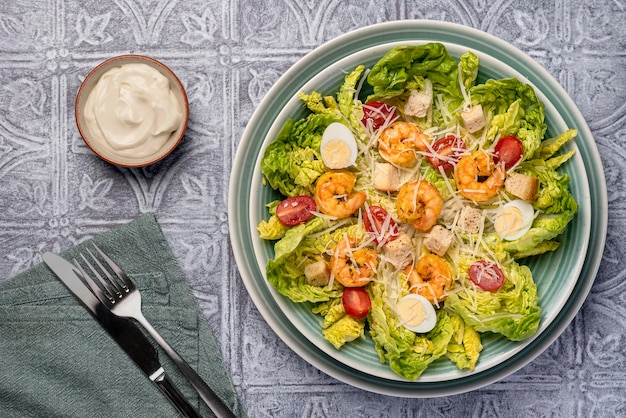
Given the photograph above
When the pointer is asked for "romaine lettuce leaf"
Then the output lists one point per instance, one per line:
(515, 109)
(332, 311)
(272, 229)
(338, 327)
(553, 196)
(292, 162)
(345, 97)
(528, 251)
(468, 67)
(465, 346)
(344, 330)
(425, 349)
(554, 201)
(434, 177)
(404, 68)
(344, 106)
(320, 104)
(407, 353)
(286, 273)
(550, 146)
(512, 310)
(539, 237)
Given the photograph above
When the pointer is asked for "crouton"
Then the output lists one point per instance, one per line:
(418, 103)
(399, 251)
(386, 177)
(470, 219)
(522, 186)
(317, 273)
(438, 240)
(473, 119)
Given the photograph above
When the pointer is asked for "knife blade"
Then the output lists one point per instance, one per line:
(128, 335)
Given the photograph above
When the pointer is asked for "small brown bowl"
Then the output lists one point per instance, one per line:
(109, 154)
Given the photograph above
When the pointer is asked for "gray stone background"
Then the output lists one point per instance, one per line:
(55, 193)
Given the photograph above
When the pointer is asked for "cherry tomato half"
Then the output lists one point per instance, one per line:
(356, 301)
(295, 210)
(378, 113)
(486, 275)
(508, 150)
(449, 150)
(380, 224)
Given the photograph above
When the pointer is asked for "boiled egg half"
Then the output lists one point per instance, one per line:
(416, 313)
(514, 219)
(338, 146)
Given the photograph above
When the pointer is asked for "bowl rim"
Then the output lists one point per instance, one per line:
(104, 66)
(489, 64)
(420, 30)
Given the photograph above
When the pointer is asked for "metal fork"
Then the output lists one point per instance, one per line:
(119, 294)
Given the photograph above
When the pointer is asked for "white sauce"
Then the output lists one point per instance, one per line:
(132, 111)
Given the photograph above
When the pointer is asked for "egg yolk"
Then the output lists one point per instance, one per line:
(411, 312)
(509, 221)
(336, 153)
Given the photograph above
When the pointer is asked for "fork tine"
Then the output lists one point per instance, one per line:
(108, 285)
(118, 288)
(100, 292)
(128, 284)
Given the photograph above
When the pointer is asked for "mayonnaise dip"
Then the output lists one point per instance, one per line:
(132, 111)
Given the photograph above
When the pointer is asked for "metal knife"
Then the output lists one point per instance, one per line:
(123, 331)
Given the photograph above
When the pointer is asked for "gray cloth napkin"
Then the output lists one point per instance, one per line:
(56, 360)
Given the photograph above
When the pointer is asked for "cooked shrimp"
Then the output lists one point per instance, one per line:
(419, 203)
(399, 143)
(352, 267)
(478, 178)
(334, 194)
(431, 278)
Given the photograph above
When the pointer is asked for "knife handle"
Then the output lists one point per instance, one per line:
(171, 392)
(217, 406)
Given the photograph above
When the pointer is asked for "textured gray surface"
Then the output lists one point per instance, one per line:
(55, 193)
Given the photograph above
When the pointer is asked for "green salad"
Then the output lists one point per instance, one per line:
(409, 198)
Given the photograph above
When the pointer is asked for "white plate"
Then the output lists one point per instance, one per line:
(563, 277)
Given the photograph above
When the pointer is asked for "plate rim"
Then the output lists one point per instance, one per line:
(337, 369)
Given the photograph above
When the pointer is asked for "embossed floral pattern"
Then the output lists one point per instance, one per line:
(228, 54)
(199, 28)
(92, 30)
